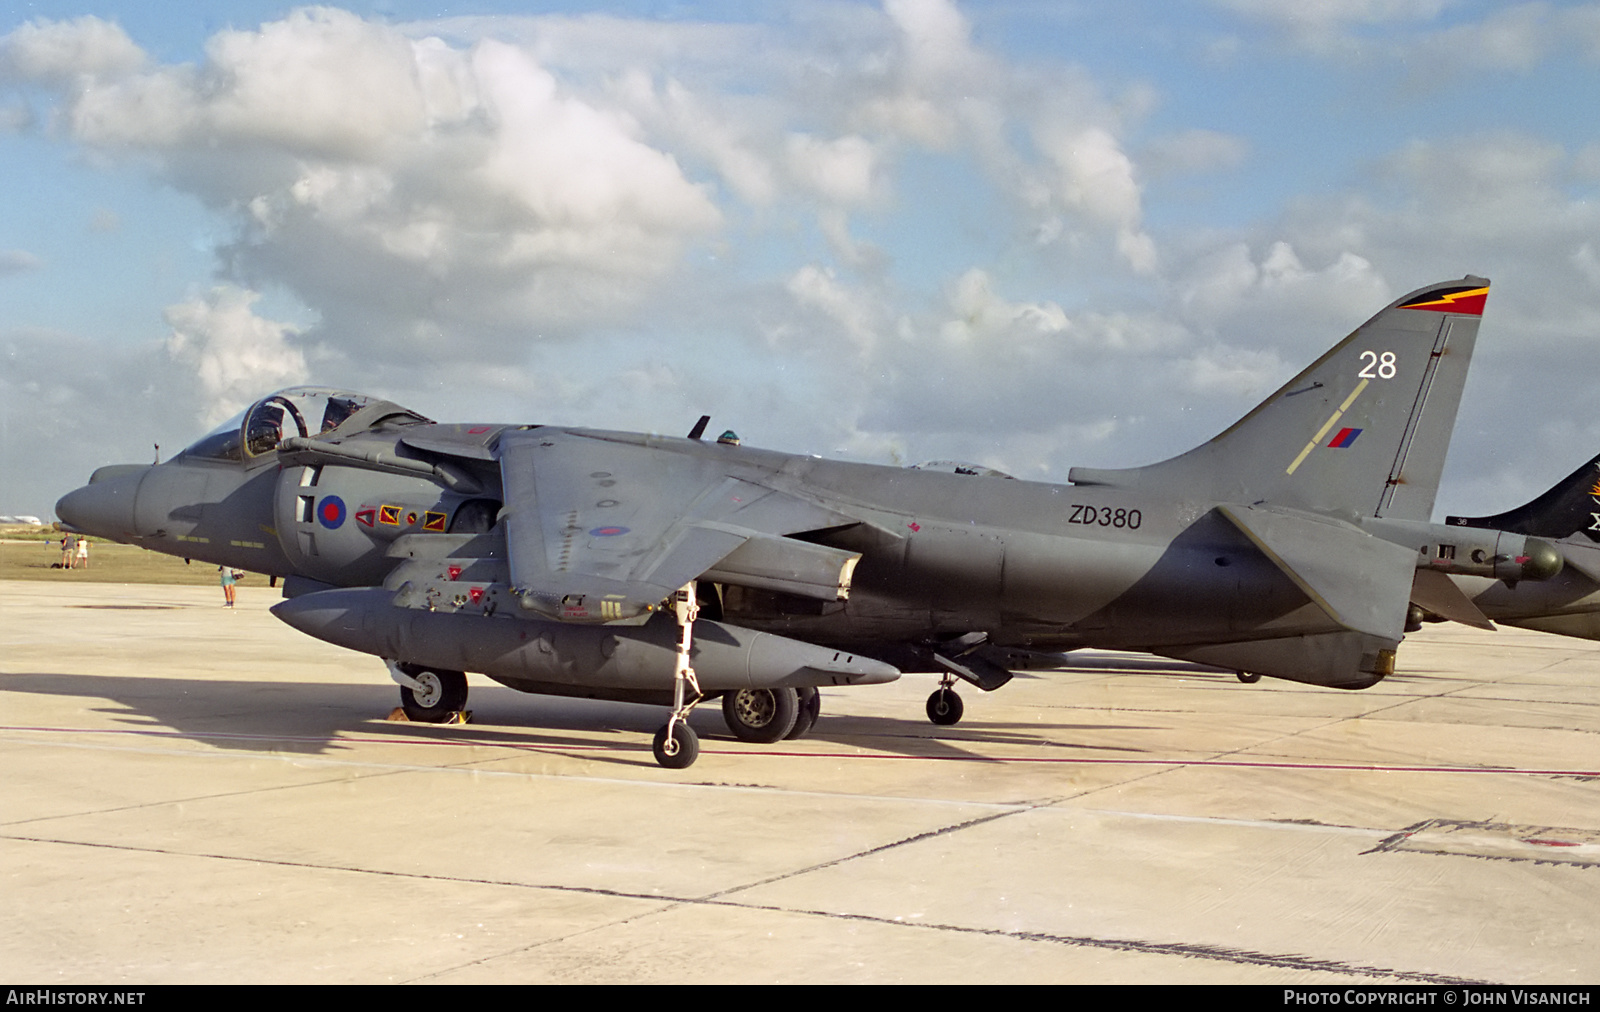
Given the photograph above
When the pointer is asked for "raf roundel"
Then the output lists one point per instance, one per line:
(331, 512)
(607, 532)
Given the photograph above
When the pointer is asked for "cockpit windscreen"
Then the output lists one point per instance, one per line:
(297, 411)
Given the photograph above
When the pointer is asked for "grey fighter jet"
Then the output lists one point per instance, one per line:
(671, 570)
(1568, 515)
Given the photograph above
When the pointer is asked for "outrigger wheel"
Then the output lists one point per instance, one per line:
(439, 694)
(1247, 677)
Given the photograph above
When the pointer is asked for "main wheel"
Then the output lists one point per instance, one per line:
(944, 707)
(810, 710)
(441, 693)
(678, 752)
(1248, 677)
(762, 716)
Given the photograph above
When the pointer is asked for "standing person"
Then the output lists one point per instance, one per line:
(69, 551)
(83, 552)
(229, 577)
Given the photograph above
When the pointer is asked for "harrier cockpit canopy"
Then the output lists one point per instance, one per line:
(297, 411)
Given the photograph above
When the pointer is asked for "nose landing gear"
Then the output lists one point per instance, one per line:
(430, 695)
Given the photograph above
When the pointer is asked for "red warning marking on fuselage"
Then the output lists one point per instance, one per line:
(366, 516)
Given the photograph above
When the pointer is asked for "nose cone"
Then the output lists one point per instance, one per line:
(104, 507)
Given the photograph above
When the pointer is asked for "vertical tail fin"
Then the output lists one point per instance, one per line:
(1572, 505)
(1363, 431)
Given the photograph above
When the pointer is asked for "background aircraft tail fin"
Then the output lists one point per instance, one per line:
(1362, 431)
(1572, 505)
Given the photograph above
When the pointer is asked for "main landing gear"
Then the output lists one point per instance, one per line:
(766, 716)
(944, 706)
(761, 716)
(810, 710)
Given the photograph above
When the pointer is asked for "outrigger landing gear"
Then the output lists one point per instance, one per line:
(944, 706)
(676, 745)
(1247, 677)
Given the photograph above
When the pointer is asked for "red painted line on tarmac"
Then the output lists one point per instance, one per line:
(1054, 760)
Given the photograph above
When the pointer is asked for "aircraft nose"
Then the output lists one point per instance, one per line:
(104, 507)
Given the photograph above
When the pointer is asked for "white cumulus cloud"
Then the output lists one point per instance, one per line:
(235, 355)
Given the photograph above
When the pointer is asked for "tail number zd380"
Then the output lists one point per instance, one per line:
(1105, 516)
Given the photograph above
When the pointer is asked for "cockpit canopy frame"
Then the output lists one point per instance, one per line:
(258, 431)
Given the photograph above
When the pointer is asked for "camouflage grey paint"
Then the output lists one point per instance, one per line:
(1288, 545)
(1567, 516)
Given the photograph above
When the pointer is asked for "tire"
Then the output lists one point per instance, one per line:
(760, 716)
(810, 709)
(1248, 677)
(685, 748)
(443, 692)
(945, 707)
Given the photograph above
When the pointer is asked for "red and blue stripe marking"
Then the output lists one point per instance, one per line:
(1343, 438)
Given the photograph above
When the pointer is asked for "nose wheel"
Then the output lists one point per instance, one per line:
(431, 695)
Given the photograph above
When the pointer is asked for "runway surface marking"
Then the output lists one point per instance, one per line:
(1187, 950)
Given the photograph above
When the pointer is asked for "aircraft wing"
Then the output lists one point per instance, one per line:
(602, 527)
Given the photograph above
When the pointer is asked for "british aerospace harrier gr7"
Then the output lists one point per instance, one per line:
(672, 570)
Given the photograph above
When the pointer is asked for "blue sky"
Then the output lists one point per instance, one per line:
(1027, 234)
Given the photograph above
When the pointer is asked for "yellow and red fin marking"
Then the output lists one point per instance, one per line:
(1464, 299)
(411, 518)
(433, 520)
(389, 515)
